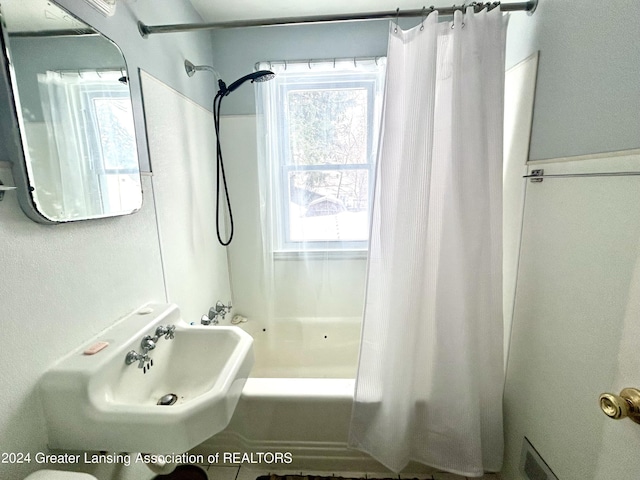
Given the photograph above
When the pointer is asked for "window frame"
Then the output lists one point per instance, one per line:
(323, 80)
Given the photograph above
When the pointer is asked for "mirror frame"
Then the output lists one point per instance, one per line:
(12, 135)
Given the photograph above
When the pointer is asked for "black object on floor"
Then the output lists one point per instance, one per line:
(184, 472)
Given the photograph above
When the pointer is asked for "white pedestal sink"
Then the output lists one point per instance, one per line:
(98, 402)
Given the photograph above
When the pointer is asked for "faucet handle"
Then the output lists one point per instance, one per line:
(143, 358)
(171, 332)
(222, 309)
(133, 356)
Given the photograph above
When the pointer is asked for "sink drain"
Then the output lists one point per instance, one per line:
(168, 399)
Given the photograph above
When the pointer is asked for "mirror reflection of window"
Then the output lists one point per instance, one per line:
(92, 152)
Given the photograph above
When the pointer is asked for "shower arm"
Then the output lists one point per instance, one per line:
(146, 30)
(191, 69)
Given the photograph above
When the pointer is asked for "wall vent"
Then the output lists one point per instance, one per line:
(532, 466)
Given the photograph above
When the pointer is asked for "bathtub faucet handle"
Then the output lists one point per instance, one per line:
(222, 309)
(218, 310)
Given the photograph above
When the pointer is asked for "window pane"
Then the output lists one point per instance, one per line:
(328, 126)
(328, 205)
(117, 135)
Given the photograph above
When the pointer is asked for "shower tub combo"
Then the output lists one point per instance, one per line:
(299, 397)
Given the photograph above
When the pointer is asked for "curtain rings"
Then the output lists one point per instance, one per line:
(426, 14)
(395, 30)
(462, 9)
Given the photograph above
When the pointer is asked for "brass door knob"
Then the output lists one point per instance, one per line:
(627, 404)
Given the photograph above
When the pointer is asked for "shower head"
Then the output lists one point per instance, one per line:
(191, 69)
(259, 76)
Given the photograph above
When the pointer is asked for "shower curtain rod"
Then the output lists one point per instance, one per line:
(146, 30)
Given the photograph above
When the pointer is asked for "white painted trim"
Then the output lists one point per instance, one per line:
(591, 156)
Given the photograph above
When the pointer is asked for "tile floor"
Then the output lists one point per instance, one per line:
(216, 472)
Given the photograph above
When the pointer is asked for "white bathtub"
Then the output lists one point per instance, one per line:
(306, 348)
(299, 397)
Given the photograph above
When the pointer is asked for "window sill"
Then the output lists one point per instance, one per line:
(320, 255)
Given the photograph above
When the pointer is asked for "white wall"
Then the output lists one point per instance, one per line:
(184, 172)
(63, 284)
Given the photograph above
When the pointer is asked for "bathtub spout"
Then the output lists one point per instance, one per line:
(211, 319)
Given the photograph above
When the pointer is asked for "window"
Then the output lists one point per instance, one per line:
(110, 137)
(90, 119)
(322, 122)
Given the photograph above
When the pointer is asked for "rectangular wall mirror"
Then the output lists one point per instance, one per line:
(73, 108)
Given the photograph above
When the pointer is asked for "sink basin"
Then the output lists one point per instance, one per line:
(98, 402)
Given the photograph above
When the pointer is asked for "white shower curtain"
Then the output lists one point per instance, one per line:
(430, 377)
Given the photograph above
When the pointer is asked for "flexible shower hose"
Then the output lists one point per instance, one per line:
(217, 101)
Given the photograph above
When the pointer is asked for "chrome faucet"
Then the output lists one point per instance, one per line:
(211, 319)
(218, 310)
(147, 344)
(169, 332)
(133, 356)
